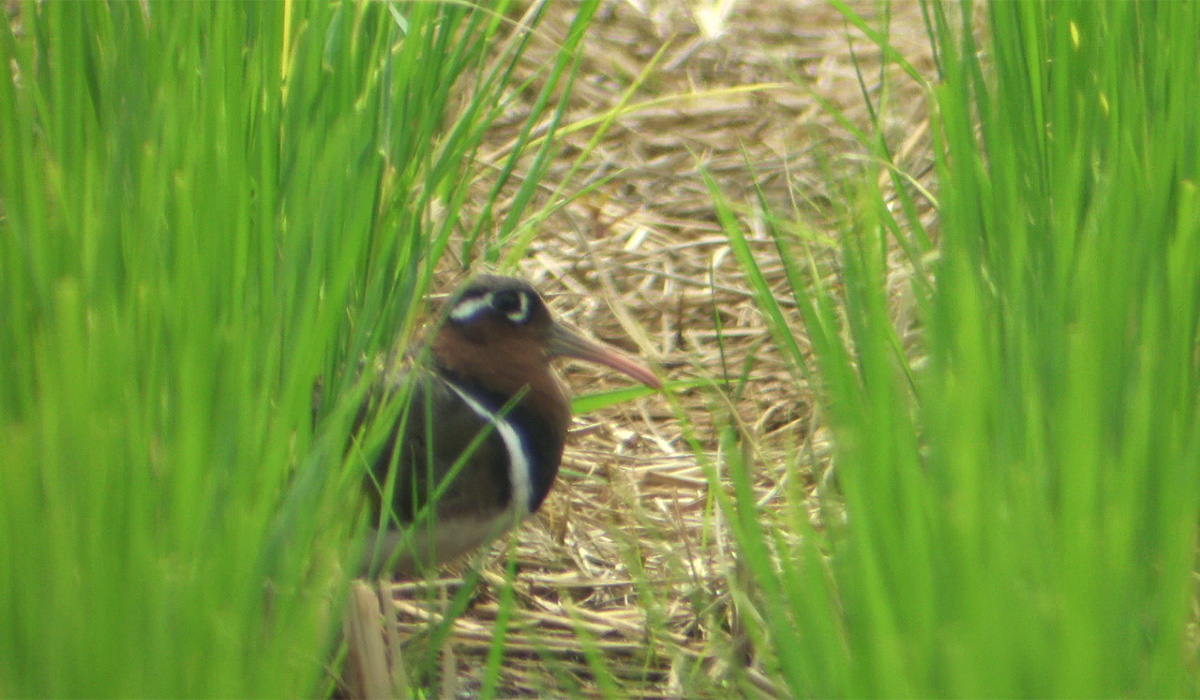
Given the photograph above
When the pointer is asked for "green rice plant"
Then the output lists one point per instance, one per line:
(205, 207)
(1017, 510)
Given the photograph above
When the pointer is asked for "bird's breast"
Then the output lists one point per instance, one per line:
(533, 441)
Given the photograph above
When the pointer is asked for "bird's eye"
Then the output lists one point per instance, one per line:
(514, 305)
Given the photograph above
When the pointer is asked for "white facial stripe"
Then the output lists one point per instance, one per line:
(518, 461)
(468, 309)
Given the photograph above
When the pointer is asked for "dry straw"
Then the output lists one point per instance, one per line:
(627, 560)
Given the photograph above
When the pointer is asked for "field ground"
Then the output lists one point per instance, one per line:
(626, 559)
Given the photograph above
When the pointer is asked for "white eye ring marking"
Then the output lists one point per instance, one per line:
(468, 309)
(521, 313)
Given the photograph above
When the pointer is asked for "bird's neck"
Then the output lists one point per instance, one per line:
(504, 369)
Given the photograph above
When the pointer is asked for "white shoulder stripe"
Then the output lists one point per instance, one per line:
(518, 461)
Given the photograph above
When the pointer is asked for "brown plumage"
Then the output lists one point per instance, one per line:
(490, 403)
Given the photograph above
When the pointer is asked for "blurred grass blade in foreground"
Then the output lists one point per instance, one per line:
(205, 206)
(1018, 516)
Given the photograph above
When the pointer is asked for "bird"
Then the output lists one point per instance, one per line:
(479, 437)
